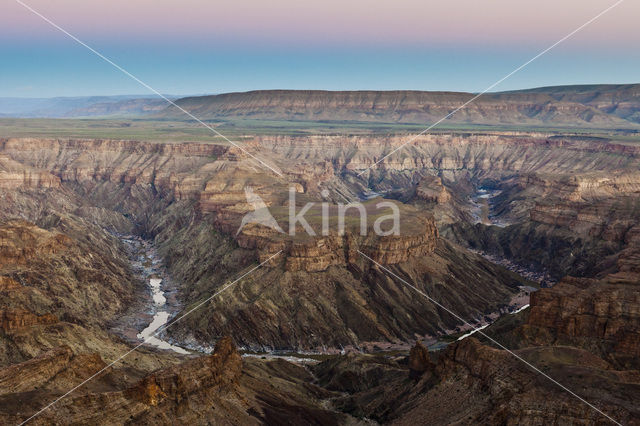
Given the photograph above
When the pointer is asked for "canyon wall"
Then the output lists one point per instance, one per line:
(185, 192)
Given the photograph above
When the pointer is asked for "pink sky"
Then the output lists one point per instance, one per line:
(414, 22)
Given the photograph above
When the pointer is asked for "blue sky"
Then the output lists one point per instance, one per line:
(186, 53)
(70, 70)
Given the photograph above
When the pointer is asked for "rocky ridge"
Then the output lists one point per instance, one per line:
(397, 107)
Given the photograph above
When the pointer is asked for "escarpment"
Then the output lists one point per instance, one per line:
(490, 155)
(314, 254)
(472, 382)
(209, 185)
(48, 275)
(603, 205)
(600, 316)
(400, 106)
(218, 370)
(220, 387)
(511, 390)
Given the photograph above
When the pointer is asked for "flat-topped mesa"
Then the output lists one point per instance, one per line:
(318, 253)
(400, 106)
(330, 234)
(431, 189)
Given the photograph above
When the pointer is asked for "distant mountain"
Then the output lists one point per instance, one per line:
(128, 107)
(83, 106)
(621, 100)
(583, 106)
(591, 106)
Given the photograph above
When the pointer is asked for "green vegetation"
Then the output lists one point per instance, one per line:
(180, 131)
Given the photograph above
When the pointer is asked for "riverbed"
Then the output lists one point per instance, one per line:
(159, 304)
(161, 301)
(482, 210)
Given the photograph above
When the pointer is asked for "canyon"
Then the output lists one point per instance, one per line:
(562, 206)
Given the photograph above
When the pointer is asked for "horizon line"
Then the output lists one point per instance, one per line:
(151, 95)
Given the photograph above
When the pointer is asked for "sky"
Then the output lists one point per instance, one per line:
(200, 47)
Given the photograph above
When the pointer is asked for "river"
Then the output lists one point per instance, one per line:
(160, 304)
(148, 265)
(481, 207)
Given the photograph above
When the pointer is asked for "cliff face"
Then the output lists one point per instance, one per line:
(471, 383)
(47, 275)
(16, 319)
(220, 388)
(394, 107)
(314, 254)
(496, 387)
(488, 153)
(21, 242)
(601, 316)
(593, 204)
(171, 385)
(87, 161)
(206, 184)
(431, 189)
(64, 278)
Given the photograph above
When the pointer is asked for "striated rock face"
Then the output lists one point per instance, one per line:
(168, 167)
(472, 383)
(419, 361)
(222, 368)
(214, 388)
(17, 318)
(617, 99)
(485, 155)
(81, 279)
(14, 174)
(21, 241)
(598, 315)
(603, 205)
(392, 250)
(29, 374)
(319, 253)
(481, 384)
(430, 189)
(394, 106)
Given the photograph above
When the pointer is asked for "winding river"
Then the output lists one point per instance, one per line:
(147, 264)
(160, 305)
